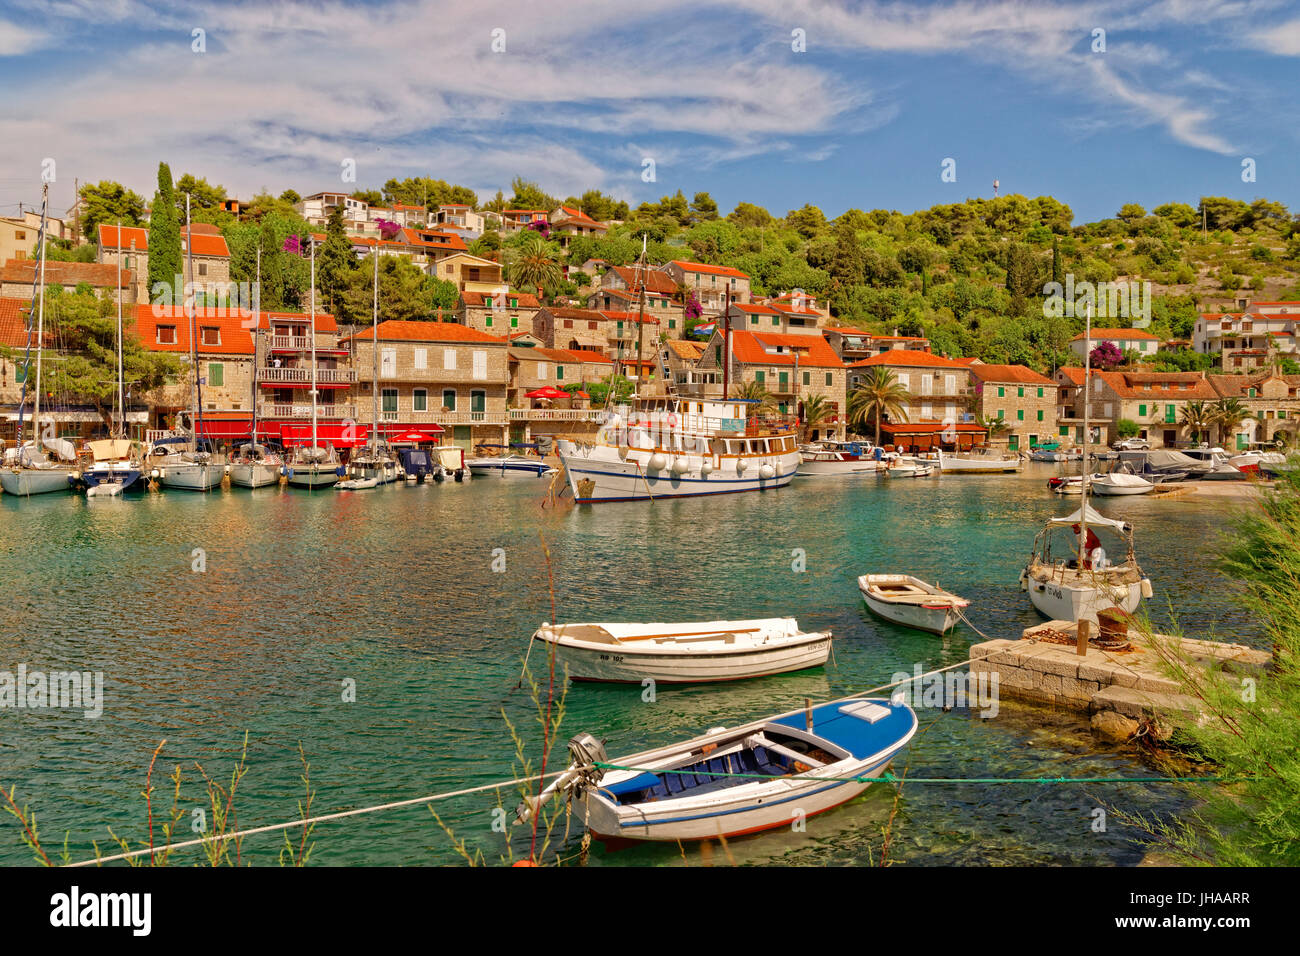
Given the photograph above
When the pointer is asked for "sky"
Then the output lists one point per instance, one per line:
(776, 102)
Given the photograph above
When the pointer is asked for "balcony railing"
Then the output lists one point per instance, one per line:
(557, 414)
(276, 410)
(302, 376)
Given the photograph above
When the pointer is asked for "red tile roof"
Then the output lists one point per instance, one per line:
(1117, 334)
(654, 280)
(708, 269)
(437, 240)
(206, 244)
(1236, 386)
(1018, 374)
(396, 330)
(1073, 373)
(236, 339)
(13, 324)
(324, 321)
(754, 308)
(752, 348)
(101, 275)
(595, 315)
(526, 299)
(1158, 385)
(909, 358)
(108, 238)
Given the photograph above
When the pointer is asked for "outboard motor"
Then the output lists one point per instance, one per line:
(585, 751)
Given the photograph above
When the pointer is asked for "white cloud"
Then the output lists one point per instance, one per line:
(16, 40)
(1284, 39)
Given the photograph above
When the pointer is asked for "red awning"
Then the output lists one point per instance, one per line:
(226, 426)
(546, 391)
(338, 435)
(430, 433)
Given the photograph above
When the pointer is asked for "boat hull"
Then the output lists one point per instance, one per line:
(614, 478)
(25, 482)
(837, 468)
(511, 470)
(125, 477)
(1099, 487)
(625, 664)
(1065, 601)
(191, 477)
(312, 476)
(254, 475)
(935, 620)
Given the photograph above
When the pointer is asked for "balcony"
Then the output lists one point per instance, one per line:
(301, 377)
(300, 411)
(557, 415)
(445, 418)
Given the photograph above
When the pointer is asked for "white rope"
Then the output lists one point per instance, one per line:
(270, 828)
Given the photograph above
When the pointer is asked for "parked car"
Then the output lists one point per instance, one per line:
(1132, 444)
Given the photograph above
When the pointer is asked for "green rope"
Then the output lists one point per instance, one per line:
(888, 777)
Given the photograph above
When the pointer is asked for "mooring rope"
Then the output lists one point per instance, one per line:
(888, 777)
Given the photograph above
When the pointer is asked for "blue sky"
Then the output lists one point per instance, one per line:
(713, 92)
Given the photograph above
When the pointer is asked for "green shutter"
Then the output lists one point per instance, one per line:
(1001, 414)
(1020, 414)
(1170, 417)
(1020, 392)
(1040, 414)
(559, 372)
(488, 320)
(1002, 392)
(783, 378)
(760, 377)
(807, 378)
(1063, 431)
(1040, 393)
(216, 373)
(1142, 411)
(829, 379)
(1013, 442)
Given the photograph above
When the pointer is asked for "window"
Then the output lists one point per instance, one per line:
(807, 378)
(388, 401)
(216, 373)
(1020, 414)
(166, 335)
(480, 363)
(1020, 392)
(1142, 411)
(1170, 417)
(776, 320)
(420, 400)
(1002, 392)
(478, 401)
(753, 320)
(1250, 393)
(1001, 414)
(591, 326)
(541, 371)
(514, 303)
(559, 373)
(449, 360)
(1063, 430)
(487, 320)
(829, 379)
(760, 377)
(514, 321)
(568, 324)
(783, 379)
(1281, 413)
(421, 358)
(388, 363)
(1040, 414)
(487, 301)
(449, 399)
(1013, 442)
(203, 268)
(672, 323)
(211, 335)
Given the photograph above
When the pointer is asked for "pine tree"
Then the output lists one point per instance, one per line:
(1056, 262)
(164, 233)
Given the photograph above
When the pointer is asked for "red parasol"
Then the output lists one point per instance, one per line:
(546, 391)
(417, 436)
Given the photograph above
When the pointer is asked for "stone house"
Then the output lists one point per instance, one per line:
(1025, 400)
(17, 279)
(1153, 400)
(940, 388)
(498, 313)
(1273, 400)
(713, 285)
(436, 373)
(1138, 340)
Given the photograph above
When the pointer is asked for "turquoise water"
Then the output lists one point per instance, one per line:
(395, 589)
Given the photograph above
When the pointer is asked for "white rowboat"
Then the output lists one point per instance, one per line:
(684, 653)
(912, 602)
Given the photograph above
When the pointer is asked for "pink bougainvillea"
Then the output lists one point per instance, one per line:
(292, 244)
(387, 229)
(693, 308)
(1106, 356)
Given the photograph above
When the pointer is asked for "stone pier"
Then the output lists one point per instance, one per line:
(1122, 690)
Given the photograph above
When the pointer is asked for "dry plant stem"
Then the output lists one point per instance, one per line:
(29, 827)
(148, 795)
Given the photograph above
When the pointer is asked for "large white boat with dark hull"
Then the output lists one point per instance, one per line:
(679, 448)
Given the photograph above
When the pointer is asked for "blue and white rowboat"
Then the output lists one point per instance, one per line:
(509, 466)
(730, 782)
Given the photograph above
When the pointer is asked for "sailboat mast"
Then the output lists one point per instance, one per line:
(313, 344)
(640, 322)
(257, 321)
(196, 393)
(374, 350)
(1087, 401)
(121, 383)
(40, 329)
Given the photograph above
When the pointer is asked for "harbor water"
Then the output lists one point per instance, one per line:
(384, 631)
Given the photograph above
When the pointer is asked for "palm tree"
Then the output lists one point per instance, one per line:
(996, 427)
(1199, 418)
(815, 411)
(534, 264)
(1228, 413)
(876, 395)
(756, 393)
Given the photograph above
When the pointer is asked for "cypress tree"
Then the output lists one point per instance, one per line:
(335, 262)
(164, 233)
(1056, 261)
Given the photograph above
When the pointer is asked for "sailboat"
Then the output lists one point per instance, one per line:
(314, 465)
(376, 464)
(116, 462)
(254, 465)
(190, 464)
(1076, 582)
(29, 469)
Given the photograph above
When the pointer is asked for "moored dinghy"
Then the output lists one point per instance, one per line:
(731, 782)
(685, 653)
(912, 602)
